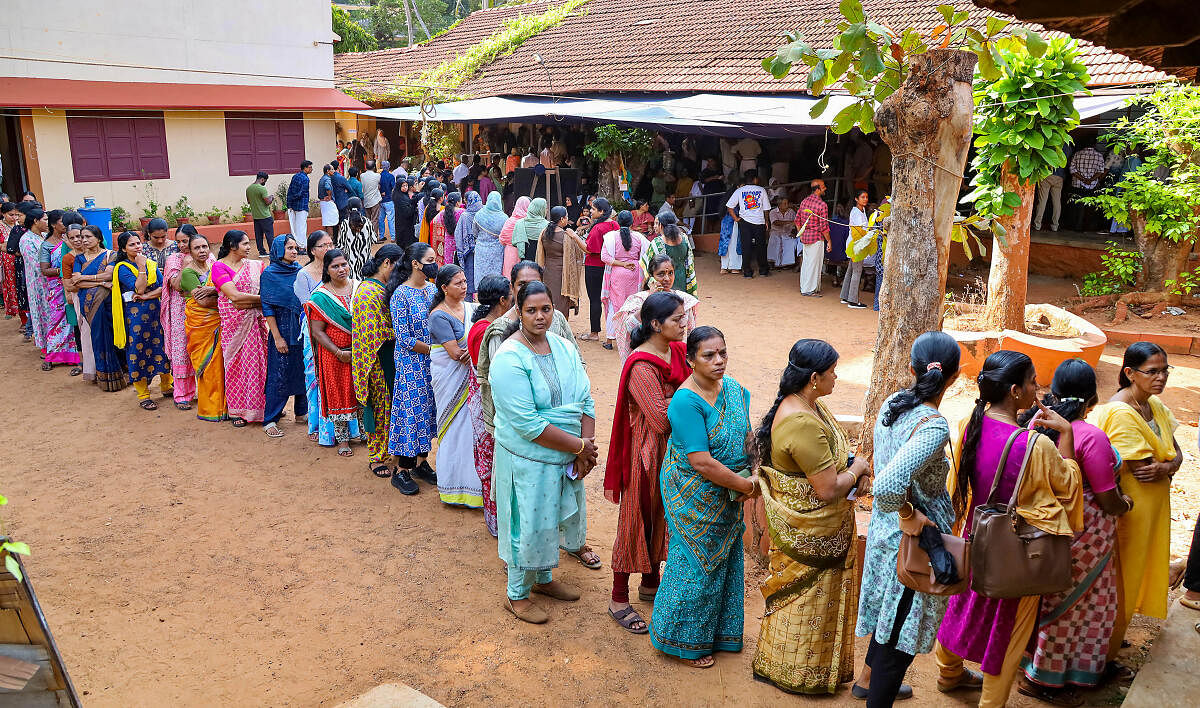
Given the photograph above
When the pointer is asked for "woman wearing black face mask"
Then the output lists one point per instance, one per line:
(410, 293)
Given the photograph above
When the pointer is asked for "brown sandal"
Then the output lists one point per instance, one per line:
(149, 405)
(627, 618)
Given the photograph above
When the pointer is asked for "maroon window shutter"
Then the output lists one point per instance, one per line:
(120, 147)
(239, 144)
(87, 149)
(266, 145)
(150, 139)
(291, 142)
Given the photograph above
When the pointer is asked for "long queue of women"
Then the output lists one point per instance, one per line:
(402, 356)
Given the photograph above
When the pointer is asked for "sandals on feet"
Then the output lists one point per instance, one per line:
(1064, 697)
(532, 614)
(46, 366)
(169, 393)
(238, 422)
(76, 370)
(704, 662)
(183, 405)
(629, 617)
(315, 437)
(149, 405)
(272, 430)
(381, 470)
(587, 558)
(344, 450)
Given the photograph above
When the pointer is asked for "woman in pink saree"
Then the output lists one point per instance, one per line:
(510, 252)
(243, 329)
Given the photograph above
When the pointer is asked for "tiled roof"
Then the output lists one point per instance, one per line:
(673, 46)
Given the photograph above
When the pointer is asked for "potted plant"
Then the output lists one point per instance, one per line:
(180, 212)
(149, 211)
(215, 215)
(279, 207)
(119, 220)
(245, 212)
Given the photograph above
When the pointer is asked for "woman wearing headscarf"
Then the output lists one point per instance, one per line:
(356, 236)
(489, 251)
(511, 254)
(560, 252)
(528, 230)
(465, 235)
(285, 352)
(406, 213)
(441, 229)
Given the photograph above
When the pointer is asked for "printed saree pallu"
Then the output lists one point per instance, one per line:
(96, 305)
(243, 346)
(335, 378)
(453, 384)
(373, 351)
(60, 338)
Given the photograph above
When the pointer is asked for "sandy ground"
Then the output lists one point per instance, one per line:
(182, 563)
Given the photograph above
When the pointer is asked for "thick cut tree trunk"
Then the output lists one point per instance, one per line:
(1009, 275)
(927, 124)
(1162, 259)
(608, 182)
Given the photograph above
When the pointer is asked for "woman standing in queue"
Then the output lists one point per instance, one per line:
(373, 354)
(465, 234)
(661, 279)
(202, 319)
(545, 446)
(410, 293)
(806, 640)
(356, 236)
(593, 263)
(406, 213)
(174, 300)
(1142, 429)
(453, 387)
(243, 332)
(93, 279)
(1071, 639)
(60, 339)
(431, 207)
(440, 238)
(10, 218)
(136, 323)
(992, 631)
(285, 355)
(911, 469)
(320, 429)
(699, 606)
(495, 298)
(622, 257)
(489, 251)
(330, 327)
(671, 241)
(560, 254)
(640, 431)
(36, 226)
(528, 230)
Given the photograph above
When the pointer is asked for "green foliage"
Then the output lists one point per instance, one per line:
(180, 208)
(1188, 281)
(1167, 137)
(216, 215)
(1023, 119)
(439, 83)
(610, 140)
(387, 21)
(120, 219)
(1119, 273)
(13, 548)
(152, 206)
(871, 61)
(354, 37)
(441, 141)
(281, 195)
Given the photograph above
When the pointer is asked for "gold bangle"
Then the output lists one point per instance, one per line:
(900, 511)
(582, 445)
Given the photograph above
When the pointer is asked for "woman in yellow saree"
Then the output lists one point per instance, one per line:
(806, 639)
(1142, 430)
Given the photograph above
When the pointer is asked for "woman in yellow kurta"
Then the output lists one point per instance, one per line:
(1142, 430)
(806, 640)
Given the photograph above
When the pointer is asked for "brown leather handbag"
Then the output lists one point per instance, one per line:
(913, 568)
(1010, 557)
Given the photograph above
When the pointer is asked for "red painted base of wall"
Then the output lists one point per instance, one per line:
(1172, 343)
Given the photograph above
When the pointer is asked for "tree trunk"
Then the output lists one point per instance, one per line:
(1009, 275)
(408, 25)
(927, 125)
(1162, 259)
(608, 180)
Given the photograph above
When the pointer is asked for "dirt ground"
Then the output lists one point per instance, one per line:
(183, 563)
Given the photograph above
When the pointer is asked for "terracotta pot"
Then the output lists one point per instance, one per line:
(183, 220)
(278, 215)
(144, 221)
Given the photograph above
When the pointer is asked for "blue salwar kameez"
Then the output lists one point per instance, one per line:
(700, 603)
(413, 412)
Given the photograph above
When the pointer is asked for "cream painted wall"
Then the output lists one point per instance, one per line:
(197, 157)
(255, 42)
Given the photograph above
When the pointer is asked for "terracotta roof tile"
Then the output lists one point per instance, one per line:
(674, 46)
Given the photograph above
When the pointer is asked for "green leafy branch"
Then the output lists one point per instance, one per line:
(1023, 119)
(440, 82)
(610, 140)
(12, 548)
(870, 60)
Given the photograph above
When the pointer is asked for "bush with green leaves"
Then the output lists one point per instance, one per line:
(354, 38)
(1119, 274)
(1023, 119)
(610, 140)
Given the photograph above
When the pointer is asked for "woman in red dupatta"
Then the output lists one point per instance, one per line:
(657, 366)
(330, 322)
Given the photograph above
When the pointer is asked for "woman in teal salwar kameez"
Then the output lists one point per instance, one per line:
(545, 445)
(699, 605)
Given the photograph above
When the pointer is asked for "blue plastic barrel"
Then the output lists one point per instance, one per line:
(101, 218)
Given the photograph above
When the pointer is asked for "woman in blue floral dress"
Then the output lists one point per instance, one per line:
(910, 437)
(410, 292)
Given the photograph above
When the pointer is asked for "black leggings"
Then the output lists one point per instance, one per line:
(593, 277)
(407, 463)
(1191, 576)
(888, 664)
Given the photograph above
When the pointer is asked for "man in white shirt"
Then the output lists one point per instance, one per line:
(461, 170)
(401, 172)
(748, 205)
(748, 150)
(371, 195)
(530, 159)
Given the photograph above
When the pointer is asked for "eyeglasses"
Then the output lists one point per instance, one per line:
(1154, 373)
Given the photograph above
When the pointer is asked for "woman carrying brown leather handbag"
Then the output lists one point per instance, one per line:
(989, 630)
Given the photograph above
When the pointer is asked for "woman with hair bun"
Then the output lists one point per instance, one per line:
(1071, 641)
(495, 297)
(1142, 429)
(806, 640)
(640, 431)
(910, 485)
(622, 256)
(243, 330)
(995, 631)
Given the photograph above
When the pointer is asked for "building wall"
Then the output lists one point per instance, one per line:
(196, 154)
(252, 42)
